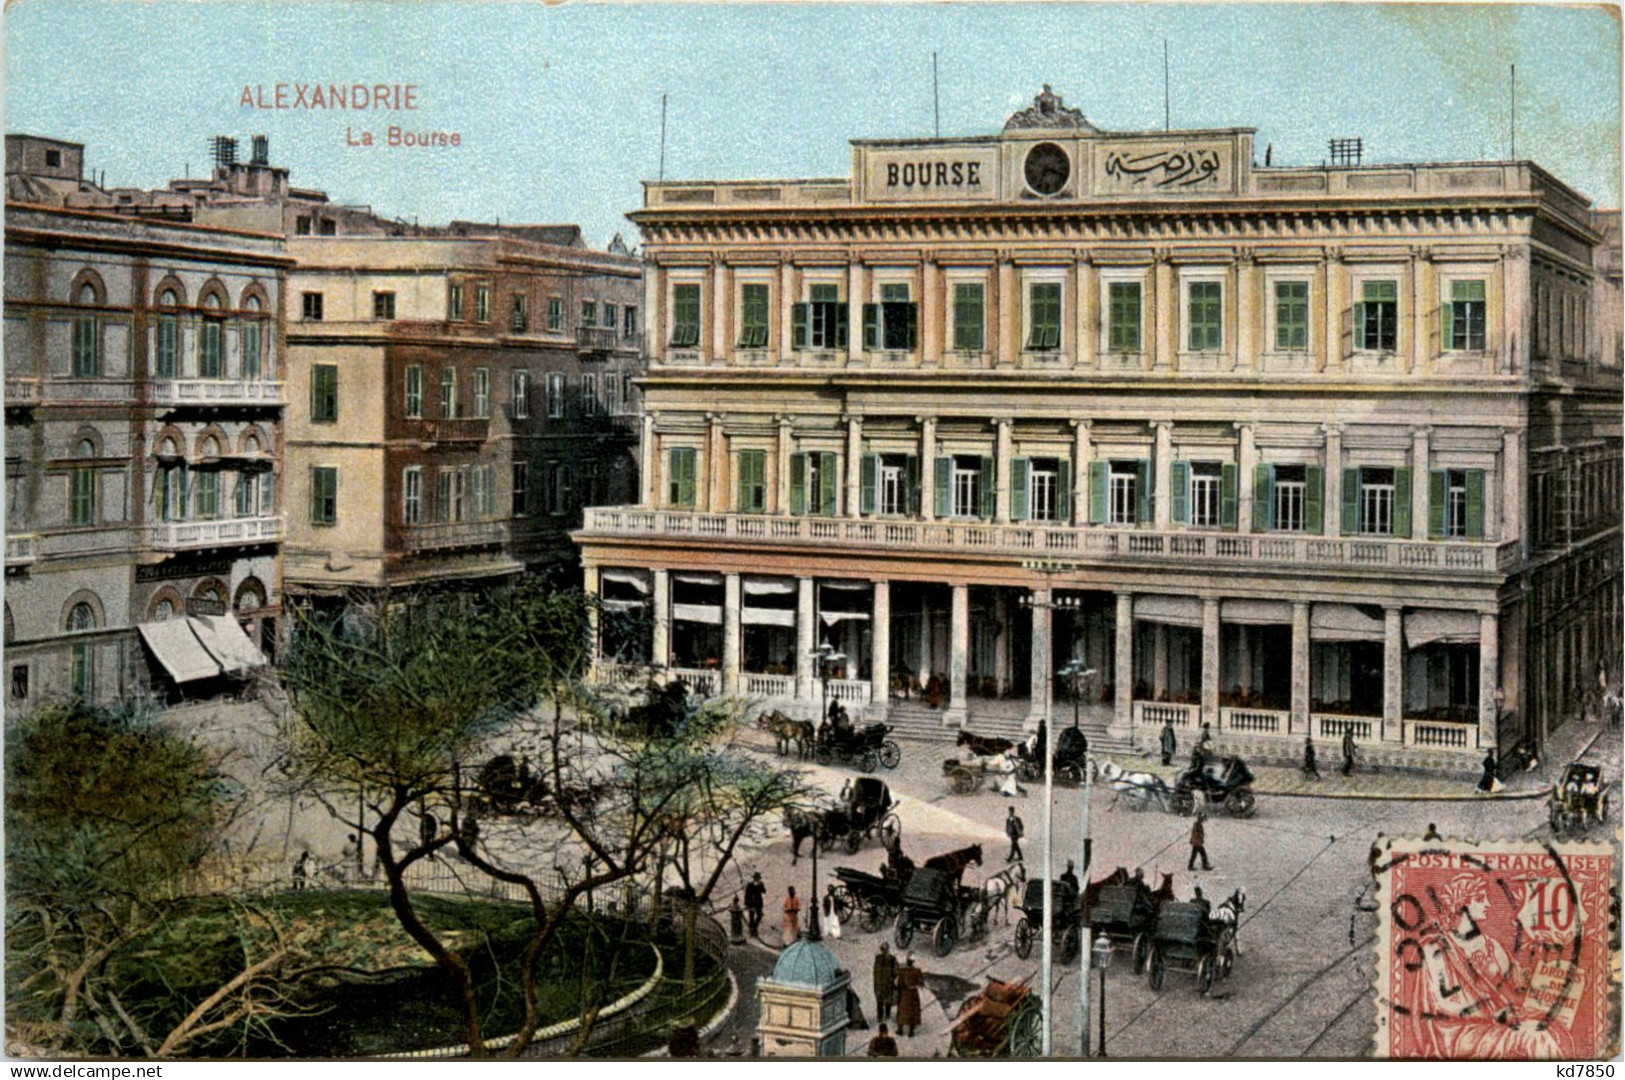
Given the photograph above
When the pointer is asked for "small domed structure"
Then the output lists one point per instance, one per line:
(802, 1006)
(806, 963)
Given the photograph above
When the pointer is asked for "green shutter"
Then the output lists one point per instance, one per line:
(1359, 326)
(870, 477)
(1264, 498)
(1438, 494)
(1447, 337)
(1228, 483)
(827, 484)
(944, 494)
(1351, 502)
(1099, 487)
(1019, 468)
(798, 483)
(871, 326)
(1063, 491)
(748, 466)
(986, 486)
(1402, 502)
(798, 325)
(1314, 499)
(1179, 493)
(1475, 504)
(843, 319)
(1143, 467)
(911, 476)
(685, 462)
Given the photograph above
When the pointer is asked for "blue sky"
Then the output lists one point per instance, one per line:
(558, 107)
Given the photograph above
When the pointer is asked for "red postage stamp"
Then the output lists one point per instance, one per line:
(1494, 951)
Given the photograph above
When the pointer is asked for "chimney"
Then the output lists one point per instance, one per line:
(262, 151)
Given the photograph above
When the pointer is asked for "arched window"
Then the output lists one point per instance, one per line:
(251, 445)
(81, 617)
(210, 361)
(81, 675)
(169, 337)
(212, 301)
(164, 611)
(169, 447)
(86, 351)
(251, 340)
(82, 486)
(87, 294)
(211, 447)
(250, 596)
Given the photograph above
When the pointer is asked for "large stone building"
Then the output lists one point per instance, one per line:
(1311, 449)
(144, 363)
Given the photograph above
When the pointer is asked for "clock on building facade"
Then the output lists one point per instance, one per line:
(1048, 168)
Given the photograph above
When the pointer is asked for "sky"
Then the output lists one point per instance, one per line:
(558, 107)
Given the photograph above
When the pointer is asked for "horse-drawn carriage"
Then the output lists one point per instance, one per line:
(1578, 801)
(1227, 782)
(1005, 1020)
(1188, 938)
(1071, 759)
(868, 812)
(934, 902)
(1065, 922)
(868, 747)
(876, 898)
(1126, 912)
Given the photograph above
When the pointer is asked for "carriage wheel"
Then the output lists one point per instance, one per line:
(1241, 803)
(978, 920)
(1204, 974)
(904, 932)
(845, 906)
(1071, 942)
(891, 830)
(1026, 1032)
(826, 841)
(824, 755)
(1024, 938)
(1227, 961)
(965, 782)
(1182, 803)
(869, 762)
(1158, 968)
(891, 755)
(944, 936)
(1558, 823)
(872, 917)
(853, 839)
(1142, 952)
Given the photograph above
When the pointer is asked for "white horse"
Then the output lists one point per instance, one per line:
(1003, 889)
(1122, 781)
(1229, 913)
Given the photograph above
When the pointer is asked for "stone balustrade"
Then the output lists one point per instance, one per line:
(22, 549)
(1156, 713)
(703, 681)
(769, 686)
(176, 392)
(187, 535)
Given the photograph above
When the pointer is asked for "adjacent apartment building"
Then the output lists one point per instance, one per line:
(144, 366)
(1305, 450)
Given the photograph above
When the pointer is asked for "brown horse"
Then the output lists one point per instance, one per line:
(1165, 891)
(786, 731)
(1092, 891)
(953, 863)
(983, 746)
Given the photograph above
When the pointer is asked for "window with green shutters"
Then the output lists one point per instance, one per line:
(751, 469)
(1119, 492)
(1377, 502)
(685, 316)
(1456, 504)
(753, 308)
(324, 393)
(244, 500)
(1040, 489)
(1376, 317)
(169, 346)
(1204, 316)
(82, 500)
(1288, 498)
(888, 484)
(970, 316)
(207, 497)
(1044, 315)
(1123, 315)
(324, 495)
(680, 467)
(251, 350)
(1464, 317)
(893, 323)
(814, 484)
(86, 356)
(1291, 315)
(209, 362)
(414, 391)
(821, 322)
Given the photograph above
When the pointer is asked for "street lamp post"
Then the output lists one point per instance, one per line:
(1077, 673)
(825, 655)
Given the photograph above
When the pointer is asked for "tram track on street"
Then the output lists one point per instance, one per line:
(1297, 991)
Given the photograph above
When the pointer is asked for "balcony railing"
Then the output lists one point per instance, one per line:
(1255, 721)
(22, 549)
(769, 686)
(174, 392)
(454, 534)
(597, 339)
(188, 535)
(22, 390)
(704, 681)
(1082, 544)
(1156, 713)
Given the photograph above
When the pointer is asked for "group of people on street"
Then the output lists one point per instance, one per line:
(1311, 768)
(899, 987)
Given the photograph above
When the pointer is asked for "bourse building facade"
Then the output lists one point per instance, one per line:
(1302, 450)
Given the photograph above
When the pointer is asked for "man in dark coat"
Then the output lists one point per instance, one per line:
(1170, 742)
(885, 984)
(883, 1045)
(1015, 830)
(1069, 877)
(755, 903)
(1199, 844)
(1348, 750)
(1489, 782)
(1311, 771)
(909, 981)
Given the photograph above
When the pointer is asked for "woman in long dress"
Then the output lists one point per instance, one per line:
(792, 917)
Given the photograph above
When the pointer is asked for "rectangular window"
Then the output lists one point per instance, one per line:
(612, 394)
(312, 306)
(1124, 494)
(1376, 501)
(680, 462)
(1455, 507)
(893, 488)
(412, 495)
(482, 392)
(630, 318)
(1291, 315)
(1464, 317)
(328, 227)
(208, 495)
(1204, 315)
(555, 396)
(169, 337)
(1123, 303)
(823, 320)
(1044, 316)
(589, 395)
(1205, 493)
(521, 394)
(626, 392)
(589, 313)
(482, 303)
(301, 226)
(454, 302)
(86, 363)
(324, 495)
(414, 391)
(898, 320)
(383, 305)
(209, 362)
(244, 494)
(555, 313)
(1376, 317)
(448, 393)
(753, 309)
(685, 312)
(1042, 490)
(83, 496)
(324, 393)
(1290, 494)
(752, 488)
(521, 313)
(81, 673)
(563, 477)
(251, 350)
(970, 316)
(971, 483)
(612, 317)
(521, 487)
(19, 681)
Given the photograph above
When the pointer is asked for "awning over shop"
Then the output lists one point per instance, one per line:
(832, 617)
(697, 579)
(1427, 626)
(1256, 612)
(178, 649)
(632, 579)
(849, 586)
(767, 617)
(624, 605)
(710, 614)
(227, 643)
(768, 587)
(1343, 622)
(1173, 610)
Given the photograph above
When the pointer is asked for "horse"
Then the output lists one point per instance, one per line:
(1092, 890)
(784, 731)
(1165, 891)
(1229, 913)
(1123, 781)
(982, 746)
(953, 863)
(1003, 889)
(803, 824)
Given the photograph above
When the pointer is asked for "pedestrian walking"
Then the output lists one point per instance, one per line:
(301, 870)
(1170, 742)
(854, 1010)
(1489, 783)
(1348, 750)
(883, 1045)
(909, 981)
(791, 928)
(1199, 843)
(1207, 740)
(885, 983)
(1015, 830)
(832, 916)
(736, 922)
(350, 858)
(1069, 877)
(755, 904)
(1311, 771)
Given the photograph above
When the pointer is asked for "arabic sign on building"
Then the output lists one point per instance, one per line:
(931, 174)
(1174, 167)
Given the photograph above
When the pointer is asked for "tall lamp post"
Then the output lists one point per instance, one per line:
(1077, 673)
(825, 655)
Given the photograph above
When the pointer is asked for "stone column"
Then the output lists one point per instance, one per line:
(787, 298)
(781, 465)
(1332, 507)
(1086, 341)
(932, 314)
(1007, 329)
(1001, 655)
(660, 638)
(1244, 658)
(856, 297)
(1512, 482)
(880, 652)
(1210, 661)
(721, 347)
(730, 633)
(1489, 679)
(1250, 309)
(1165, 299)
(1159, 660)
(1123, 680)
(654, 314)
(1393, 675)
(1042, 656)
(646, 463)
(590, 588)
(1419, 357)
(1515, 300)
(1161, 504)
(958, 656)
(1246, 463)
(715, 494)
(1420, 510)
(926, 644)
(928, 467)
(1332, 324)
(805, 637)
(1299, 721)
(1001, 473)
(854, 464)
(1082, 455)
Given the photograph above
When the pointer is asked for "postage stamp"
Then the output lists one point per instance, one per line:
(1493, 951)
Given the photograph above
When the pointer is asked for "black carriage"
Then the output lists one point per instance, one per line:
(1065, 923)
(936, 903)
(1227, 782)
(1071, 758)
(1578, 801)
(1127, 914)
(868, 747)
(867, 814)
(1188, 939)
(874, 898)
